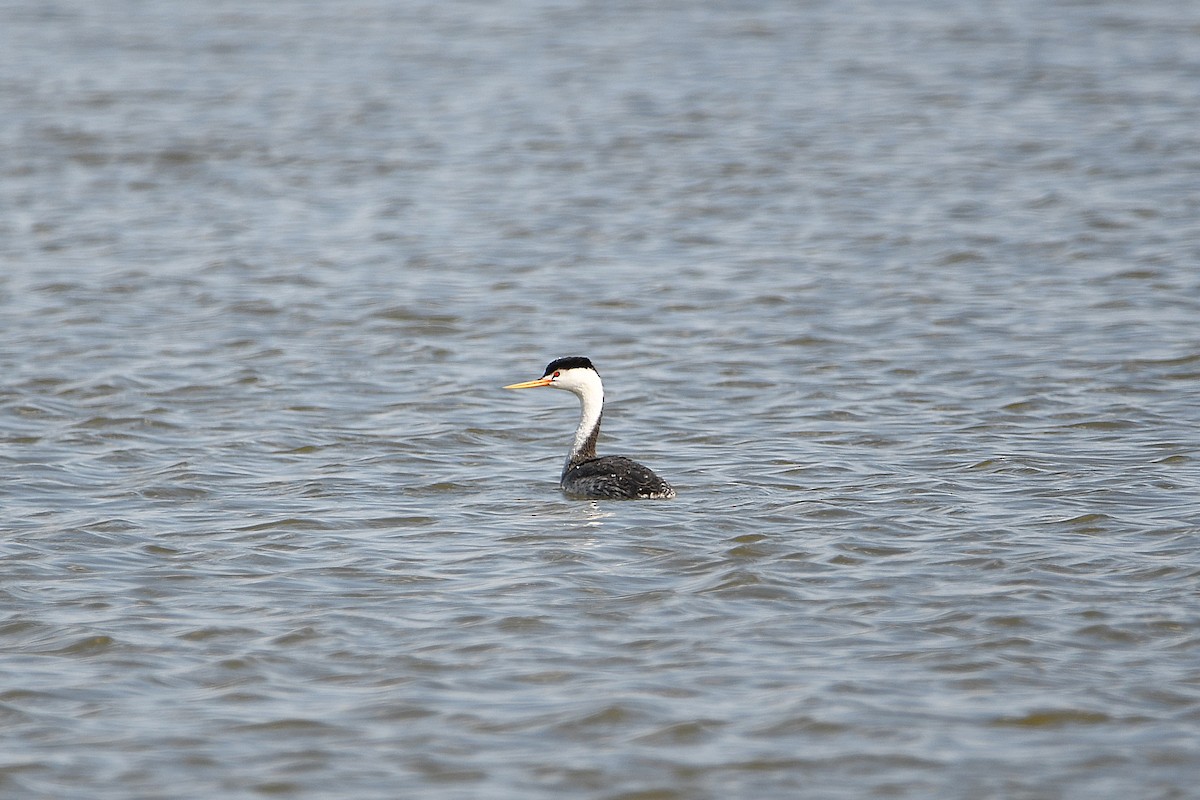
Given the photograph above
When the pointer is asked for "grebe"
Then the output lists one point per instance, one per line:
(585, 476)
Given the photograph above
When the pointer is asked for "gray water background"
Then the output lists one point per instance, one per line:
(903, 297)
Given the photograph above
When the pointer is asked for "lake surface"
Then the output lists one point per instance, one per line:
(903, 298)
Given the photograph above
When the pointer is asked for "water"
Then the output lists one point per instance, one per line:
(902, 298)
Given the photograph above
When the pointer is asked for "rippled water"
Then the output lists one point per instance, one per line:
(902, 298)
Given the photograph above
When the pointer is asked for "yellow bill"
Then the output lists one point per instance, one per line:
(530, 384)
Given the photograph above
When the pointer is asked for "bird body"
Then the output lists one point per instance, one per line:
(614, 477)
(586, 476)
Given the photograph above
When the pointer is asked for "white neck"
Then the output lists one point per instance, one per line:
(591, 405)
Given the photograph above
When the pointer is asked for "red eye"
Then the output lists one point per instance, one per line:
(555, 375)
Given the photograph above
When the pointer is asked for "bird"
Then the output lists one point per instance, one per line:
(584, 476)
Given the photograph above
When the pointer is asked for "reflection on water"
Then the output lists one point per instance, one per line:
(902, 299)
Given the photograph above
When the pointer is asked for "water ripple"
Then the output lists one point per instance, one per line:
(916, 345)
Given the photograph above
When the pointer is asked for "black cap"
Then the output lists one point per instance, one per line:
(570, 362)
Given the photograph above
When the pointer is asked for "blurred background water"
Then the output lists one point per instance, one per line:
(902, 298)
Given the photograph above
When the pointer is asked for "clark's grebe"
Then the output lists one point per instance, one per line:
(585, 476)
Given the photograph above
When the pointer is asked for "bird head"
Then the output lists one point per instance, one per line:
(574, 374)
